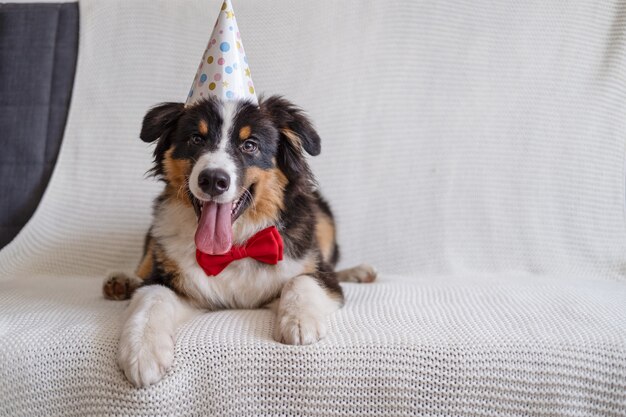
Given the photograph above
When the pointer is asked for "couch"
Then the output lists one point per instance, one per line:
(473, 152)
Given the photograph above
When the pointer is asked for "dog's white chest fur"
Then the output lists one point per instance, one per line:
(245, 283)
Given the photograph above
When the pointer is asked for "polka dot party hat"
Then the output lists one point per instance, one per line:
(223, 71)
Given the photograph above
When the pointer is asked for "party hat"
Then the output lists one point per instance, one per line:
(223, 71)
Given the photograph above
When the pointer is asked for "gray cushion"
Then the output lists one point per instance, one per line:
(38, 48)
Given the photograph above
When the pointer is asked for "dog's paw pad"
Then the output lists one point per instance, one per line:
(363, 274)
(299, 329)
(119, 286)
(147, 362)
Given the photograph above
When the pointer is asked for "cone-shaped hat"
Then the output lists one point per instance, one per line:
(223, 71)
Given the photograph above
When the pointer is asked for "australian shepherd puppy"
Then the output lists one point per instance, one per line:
(231, 170)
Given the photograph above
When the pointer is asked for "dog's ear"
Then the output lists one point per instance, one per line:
(296, 134)
(159, 119)
(156, 124)
(293, 124)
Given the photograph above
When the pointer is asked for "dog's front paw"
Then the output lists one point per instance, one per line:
(362, 273)
(119, 286)
(146, 360)
(299, 329)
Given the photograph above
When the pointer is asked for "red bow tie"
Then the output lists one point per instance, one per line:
(266, 246)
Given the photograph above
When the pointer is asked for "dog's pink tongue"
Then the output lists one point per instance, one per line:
(214, 235)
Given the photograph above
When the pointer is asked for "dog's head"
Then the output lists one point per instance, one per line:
(230, 161)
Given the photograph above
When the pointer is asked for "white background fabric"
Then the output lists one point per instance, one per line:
(457, 136)
(474, 147)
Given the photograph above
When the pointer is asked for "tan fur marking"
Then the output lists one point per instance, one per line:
(178, 282)
(203, 127)
(245, 132)
(325, 232)
(145, 266)
(177, 173)
(170, 267)
(269, 191)
(293, 138)
(309, 266)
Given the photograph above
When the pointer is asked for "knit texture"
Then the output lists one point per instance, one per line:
(402, 347)
(473, 152)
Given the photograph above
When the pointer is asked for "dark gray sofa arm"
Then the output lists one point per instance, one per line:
(38, 49)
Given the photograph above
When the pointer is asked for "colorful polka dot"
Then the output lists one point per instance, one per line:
(223, 70)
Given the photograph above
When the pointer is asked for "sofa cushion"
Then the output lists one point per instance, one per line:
(38, 48)
(402, 346)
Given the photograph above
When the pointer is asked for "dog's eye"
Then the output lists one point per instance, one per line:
(249, 146)
(196, 140)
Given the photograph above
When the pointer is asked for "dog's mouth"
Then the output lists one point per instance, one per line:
(214, 234)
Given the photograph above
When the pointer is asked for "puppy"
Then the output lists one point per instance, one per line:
(233, 171)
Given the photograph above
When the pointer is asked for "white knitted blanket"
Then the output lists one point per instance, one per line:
(473, 151)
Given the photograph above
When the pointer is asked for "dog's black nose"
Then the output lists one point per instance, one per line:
(214, 181)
